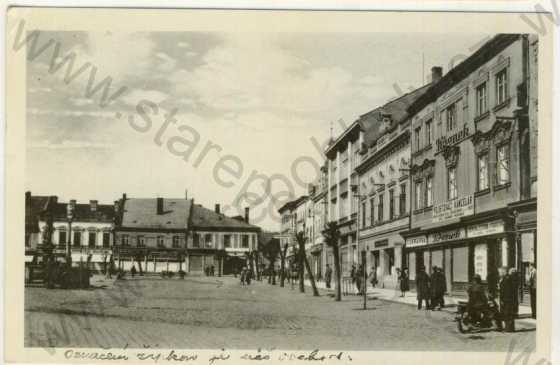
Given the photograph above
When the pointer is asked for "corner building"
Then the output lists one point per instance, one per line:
(471, 168)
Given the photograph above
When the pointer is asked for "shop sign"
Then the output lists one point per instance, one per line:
(453, 209)
(416, 241)
(485, 229)
(453, 139)
(455, 234)
(381, 243)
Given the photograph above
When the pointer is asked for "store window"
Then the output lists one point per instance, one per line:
(412, 265)
(451, 183)
(106, 239)
(481, 260)
(502, 164)
(461, 264)
(483, 171)
(160, 241)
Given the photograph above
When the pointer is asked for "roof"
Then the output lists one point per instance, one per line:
(34, 206)
(202, 217)
(351, 132)
(372, 122)
(83, 212)
(142, 213)
(464, 69)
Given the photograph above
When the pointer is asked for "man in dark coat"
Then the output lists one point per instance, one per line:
(353, 274)
(423, 288)
(359, 279)
(478, 300)
(533, 289)
(438, 287)
(507, 294)
(328, 276)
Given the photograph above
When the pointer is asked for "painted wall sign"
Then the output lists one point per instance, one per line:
(485, 229)
(453, 209)
(453, 139)
(416, 241)
(381, 243)
(455, 234)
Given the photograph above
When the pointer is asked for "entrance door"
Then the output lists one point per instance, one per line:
(195, 264)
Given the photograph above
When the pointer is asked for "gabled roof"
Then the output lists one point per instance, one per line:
(202, 218)
(372, 122)
(142, 213)
(82, 212)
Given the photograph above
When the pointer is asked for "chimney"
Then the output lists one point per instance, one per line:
(159, 205)
(27, 195)
(93, 205)
(217, 208)
(124, 196)
(437, 72)
(247, 215)
(116, 205)
(71, 208)
(186, 194)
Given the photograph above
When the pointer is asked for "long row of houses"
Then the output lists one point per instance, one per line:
(153, 234)
(445, 175)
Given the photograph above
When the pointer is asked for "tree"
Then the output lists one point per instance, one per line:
(283, 253)
(300, 238)
(332, 237)
(271, 250)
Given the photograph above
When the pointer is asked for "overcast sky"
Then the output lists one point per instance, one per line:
(259, 97)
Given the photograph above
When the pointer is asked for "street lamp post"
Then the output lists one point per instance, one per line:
(70, 216)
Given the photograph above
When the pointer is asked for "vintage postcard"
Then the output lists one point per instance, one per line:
(230, 186)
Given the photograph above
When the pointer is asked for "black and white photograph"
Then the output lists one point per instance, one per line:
(296, 194)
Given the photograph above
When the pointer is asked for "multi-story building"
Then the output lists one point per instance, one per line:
(342, 157)
(220, 241)
(383, 188)
(87, 228)
(469, 177)
(319, 252)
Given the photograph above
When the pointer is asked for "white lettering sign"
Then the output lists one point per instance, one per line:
(485, 229)
(455, 234)
(416, 241)
(453, 209)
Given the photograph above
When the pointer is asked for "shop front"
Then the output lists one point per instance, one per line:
(462, 251)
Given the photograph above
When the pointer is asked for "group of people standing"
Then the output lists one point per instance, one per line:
(245, 276)
(431, 290)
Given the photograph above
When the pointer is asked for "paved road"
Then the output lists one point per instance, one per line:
(219, 313)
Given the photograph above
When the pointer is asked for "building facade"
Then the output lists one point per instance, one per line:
(470, 166)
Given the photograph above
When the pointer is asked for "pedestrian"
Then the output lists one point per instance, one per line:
(423, 288)
(110, 267)
(404, 281)
(235, 272)
(242, 276)
(507, 299)
(533, 289)
(211, 270)
(359, 279)
(516, 284)
(438, 288)
(328, 276)
(353, 274)
(372, 278)
(133, 271)
(248, 276)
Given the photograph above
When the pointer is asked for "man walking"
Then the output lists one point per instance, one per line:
(533, 289)
(439, 287)
(423, 288)
(328, 276)
(359, 279)
(507, 299)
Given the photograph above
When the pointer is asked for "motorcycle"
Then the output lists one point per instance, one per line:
(486, 318)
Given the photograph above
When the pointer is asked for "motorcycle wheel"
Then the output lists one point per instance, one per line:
(460, 327)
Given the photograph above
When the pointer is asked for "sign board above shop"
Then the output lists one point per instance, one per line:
(485, 229)
(453, 209)
(416, 241)
(451, 235)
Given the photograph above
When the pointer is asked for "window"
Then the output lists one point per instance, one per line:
(402, 200)
(176, 241)
(196, 240)
(160, 241)
(502, 164)
(483, 171)
(481, 99)
(380, 208)
(61, 237)
(451, 117)
(140, 241)
(77, 238)
(429, 193)
(208, 240)
(106, 239)
(363, 214)
(372, 211)
(418, 195)
(92, 239)
(391, 204)
(429, 132)
(451, 183)
(227, 241)
(245, 241)
(124, 240)
(254, 240)
(417, 138)
(501, 87)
